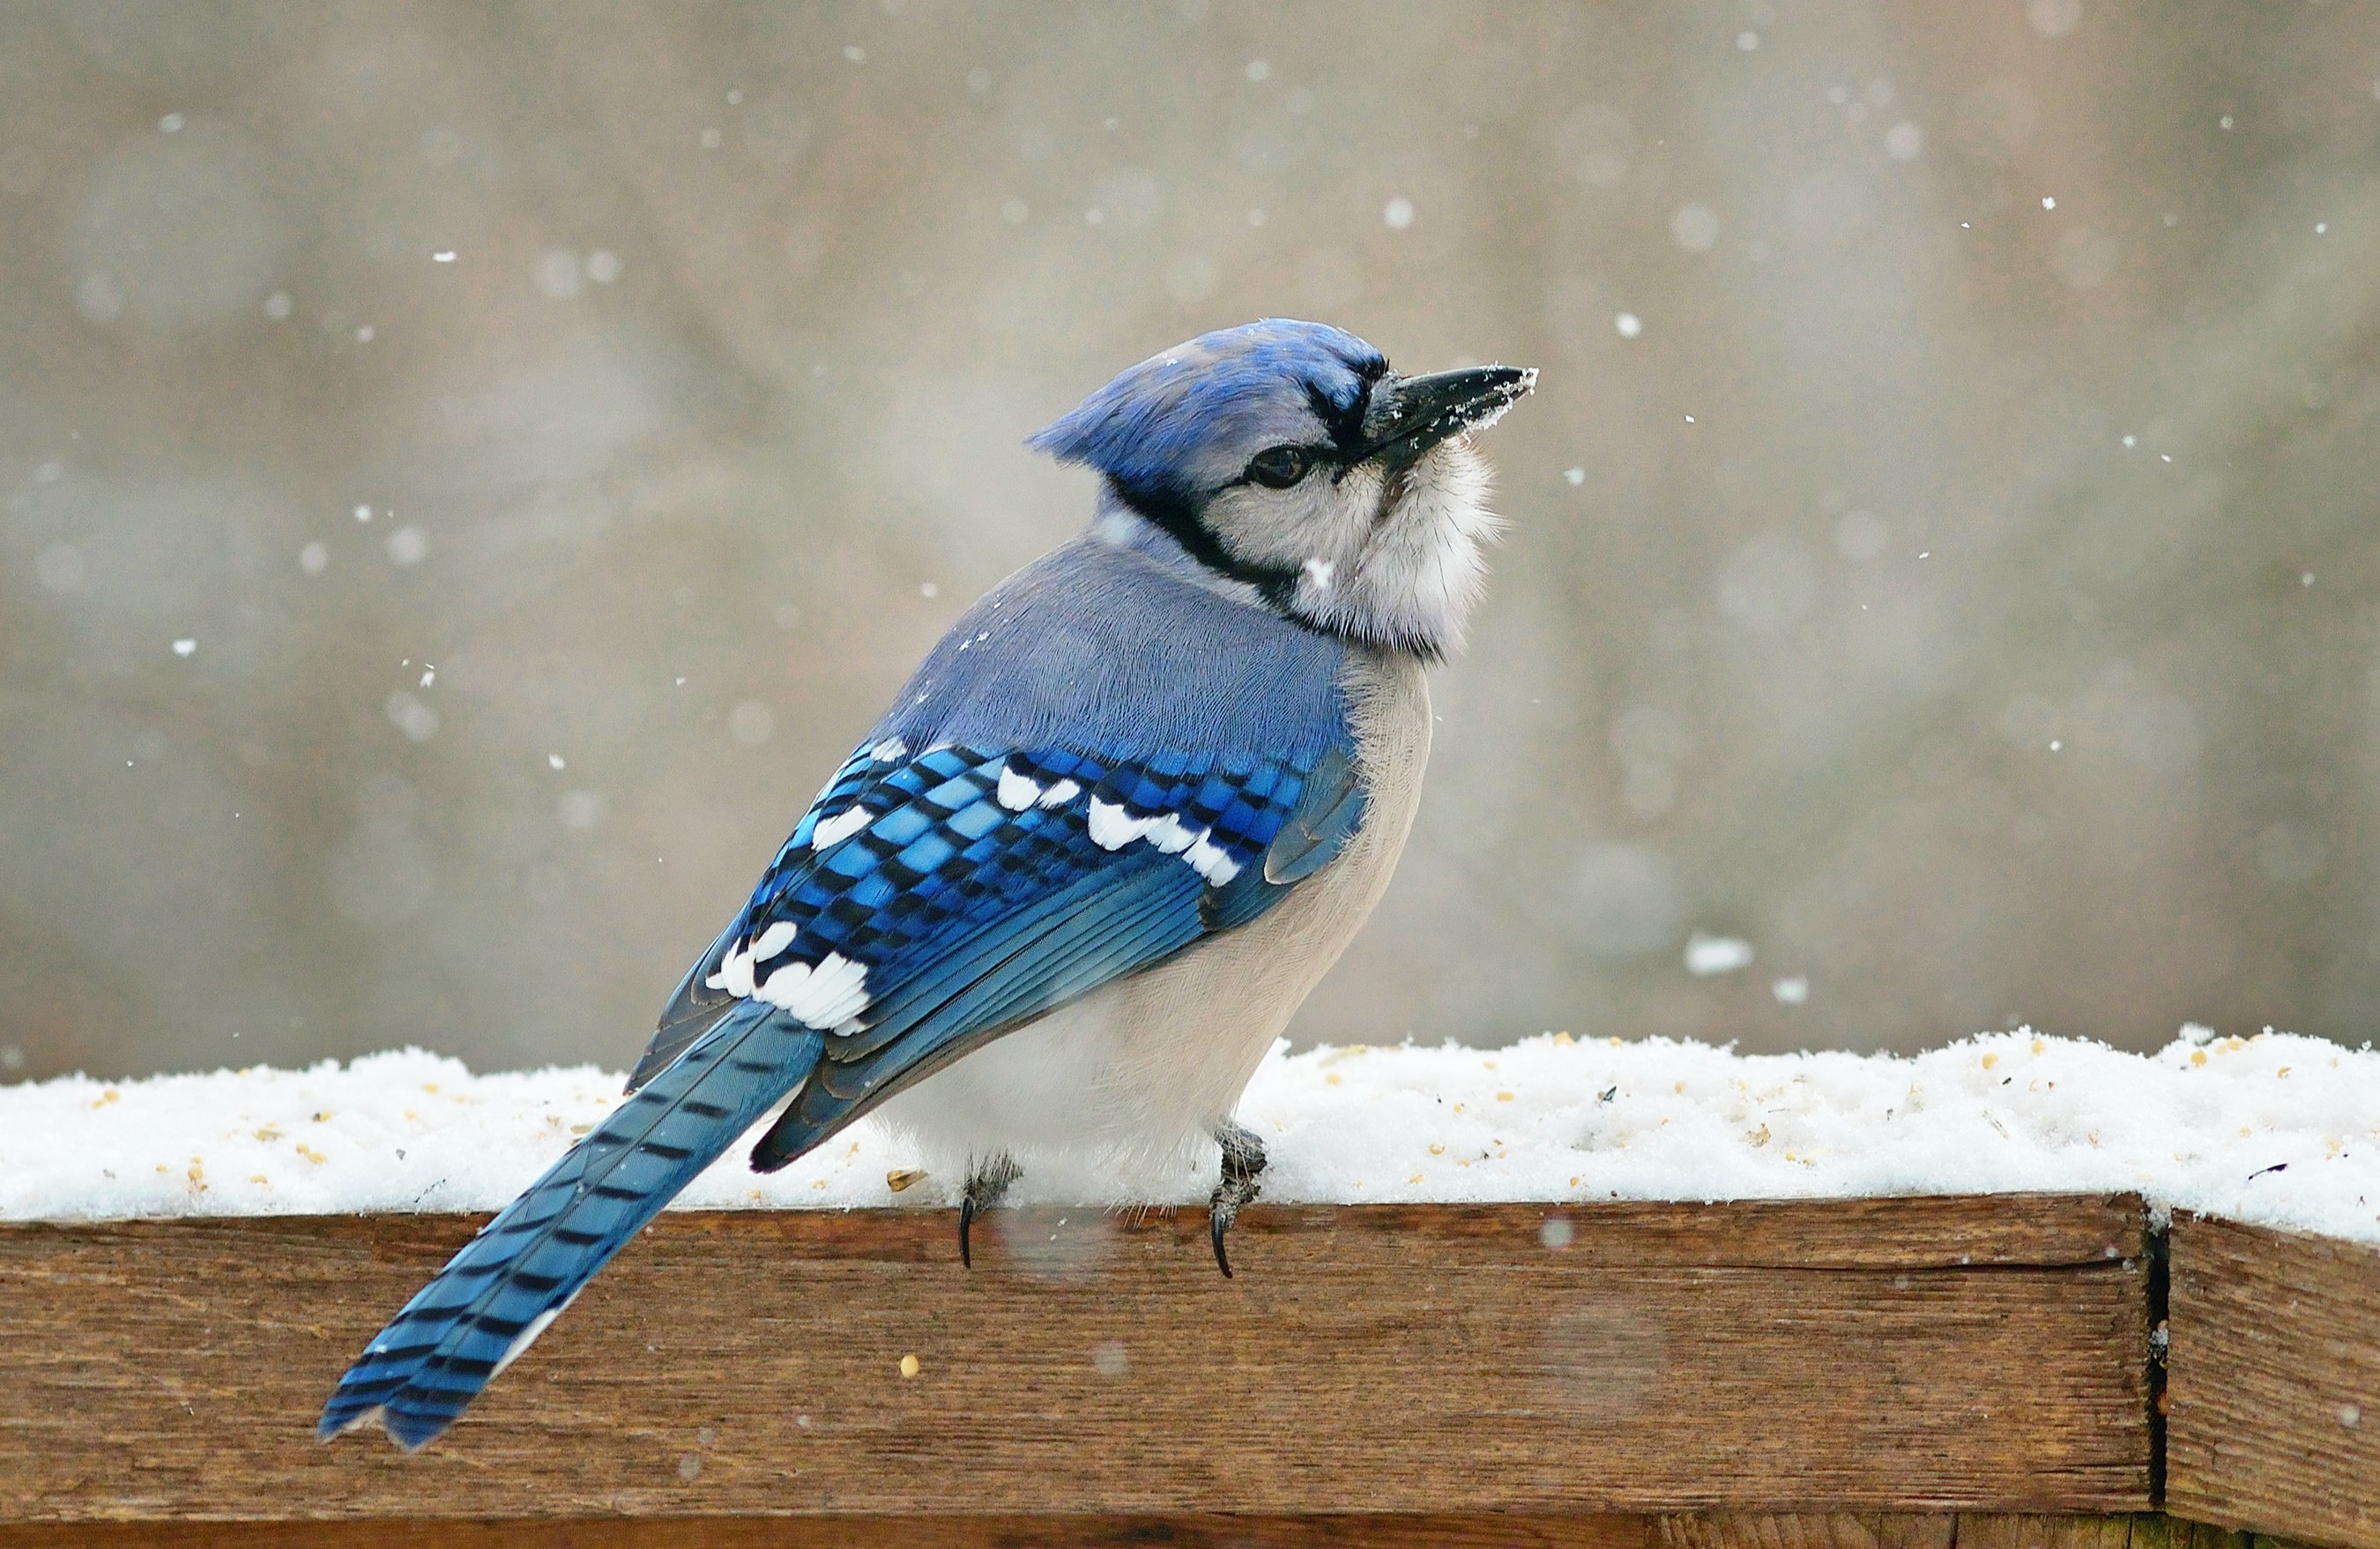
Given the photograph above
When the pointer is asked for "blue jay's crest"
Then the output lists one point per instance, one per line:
(1143, 742)
(1261, 382)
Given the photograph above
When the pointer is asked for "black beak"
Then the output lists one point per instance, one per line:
(1409, 415)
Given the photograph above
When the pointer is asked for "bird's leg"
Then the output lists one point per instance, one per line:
(984, 1187)
(1244, 1159)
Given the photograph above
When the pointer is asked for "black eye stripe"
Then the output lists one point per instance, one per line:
(1345, 421)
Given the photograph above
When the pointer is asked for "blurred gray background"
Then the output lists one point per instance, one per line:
(1943, 547)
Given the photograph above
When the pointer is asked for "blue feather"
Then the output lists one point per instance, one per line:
(496, 1294)
(1104, 650)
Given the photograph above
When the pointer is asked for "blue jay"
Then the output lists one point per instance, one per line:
(1068, 891)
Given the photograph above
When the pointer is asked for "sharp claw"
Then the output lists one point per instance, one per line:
(1243, 1160)
(985, 1186)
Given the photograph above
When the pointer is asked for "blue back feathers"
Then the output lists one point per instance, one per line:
(1105, 647)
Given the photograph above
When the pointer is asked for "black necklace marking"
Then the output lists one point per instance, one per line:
(1170, 514)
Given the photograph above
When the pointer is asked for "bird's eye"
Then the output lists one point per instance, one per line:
(1277, 468)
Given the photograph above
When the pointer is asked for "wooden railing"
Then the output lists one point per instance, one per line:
(2017, 1372)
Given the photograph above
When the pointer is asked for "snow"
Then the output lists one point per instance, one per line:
(1708, 955)
(2278, 1129)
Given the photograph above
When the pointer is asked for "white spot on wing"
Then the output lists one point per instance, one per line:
(1059, 794)
(736, 972)
(784, 984)
(828, 995)
(1016, 792)
(1211, 860)
(1167, 832)
(892, 748)
(773, 940)
(1111, 828)
(836, 829)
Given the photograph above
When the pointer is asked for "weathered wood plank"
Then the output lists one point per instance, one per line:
(2273, 1388)
(1947, 1531)
(1841, 1529)
(1911, 1353)
(1369, 1530)
(1485, 1530)
(1482, 1530)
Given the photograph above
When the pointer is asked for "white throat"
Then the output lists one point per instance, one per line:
(1408, 577)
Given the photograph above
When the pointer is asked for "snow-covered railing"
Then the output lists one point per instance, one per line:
(1511, 1358)
(2277, 1130)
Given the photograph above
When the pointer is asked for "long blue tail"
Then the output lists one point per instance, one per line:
(514, 1279)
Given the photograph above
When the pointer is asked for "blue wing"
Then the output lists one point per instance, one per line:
(925, 903)
(928, 902)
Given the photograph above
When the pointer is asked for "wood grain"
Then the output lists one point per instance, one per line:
(1363, 1531)
(2273, 1387)
(1842, 1529)
(1911, 1353)
(1945, 1531)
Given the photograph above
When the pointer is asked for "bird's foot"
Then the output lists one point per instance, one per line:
(983, 1189)
(1243, 1160)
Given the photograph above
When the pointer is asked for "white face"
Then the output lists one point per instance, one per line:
(1391, 559)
